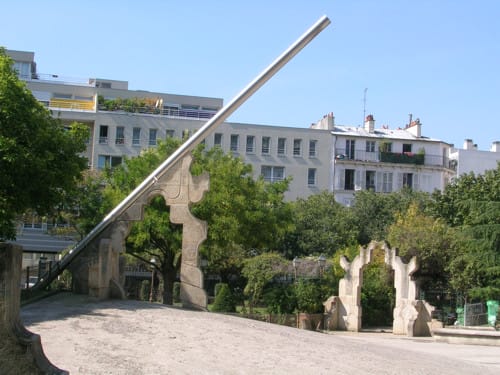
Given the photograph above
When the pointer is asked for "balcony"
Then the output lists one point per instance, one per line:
(151, 106)
(72, 104)
(342, 155)
(402, 158)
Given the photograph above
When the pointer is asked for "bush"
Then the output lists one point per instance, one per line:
(177, 292)
(309, 296)
(145, 290)
(224, 301)
(280, 299)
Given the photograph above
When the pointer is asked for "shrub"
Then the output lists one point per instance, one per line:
(145, 290)
(280, 299)
(309, 296)
(177, 292)
(224, 301)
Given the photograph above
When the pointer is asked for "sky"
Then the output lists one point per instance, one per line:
(437, 60)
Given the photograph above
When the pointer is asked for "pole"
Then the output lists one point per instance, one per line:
(197, 137)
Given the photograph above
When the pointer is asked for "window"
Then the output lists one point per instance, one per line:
(406, 147)
(370, 180)
(297, 147)
(408, 180)
(272, 174)
(312, 148)
(387, 182)
(103, 134)
(370, 146)
(136, 136)
(385, 146)
(106, 161)
(250, 144)
(23, 69)
(169, 133)
(218, 139)
(281, 146)
(152, 136)
(234, 142)
(120, 135)
(266, 145)
(349, 179)
(311, 176)
(349, 148)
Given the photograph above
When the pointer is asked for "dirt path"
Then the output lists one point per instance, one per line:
(131, 337)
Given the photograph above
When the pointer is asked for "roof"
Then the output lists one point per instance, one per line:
(379, 133)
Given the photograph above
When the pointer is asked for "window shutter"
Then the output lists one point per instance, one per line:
(416, 182)
(357, 180)
(399, 182)
(378, 181)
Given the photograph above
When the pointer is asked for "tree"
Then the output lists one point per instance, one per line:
(471, 204)
(374, 212)
(245, 216)
(224, 300)
(39, 157)
(429, 239)
(154, 241)
(260, 271)
(322, 226)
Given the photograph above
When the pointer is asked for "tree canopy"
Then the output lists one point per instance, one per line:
(40, 159)
(471, 204)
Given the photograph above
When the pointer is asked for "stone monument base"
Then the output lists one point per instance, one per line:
(20, 350)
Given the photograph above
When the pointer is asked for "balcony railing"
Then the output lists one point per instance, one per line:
(402, 158)
(72, 104)
(392, 157)
(151, 110)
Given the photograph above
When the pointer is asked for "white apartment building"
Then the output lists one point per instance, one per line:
(121, 128)
(384, 160)
(470, 159)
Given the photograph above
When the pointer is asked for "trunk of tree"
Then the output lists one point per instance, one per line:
(168, 287)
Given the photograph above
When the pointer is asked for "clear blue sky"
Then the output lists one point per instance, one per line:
(439, 60)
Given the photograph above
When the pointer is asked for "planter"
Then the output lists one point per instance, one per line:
(311, 322)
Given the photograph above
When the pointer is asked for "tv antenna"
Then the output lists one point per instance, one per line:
(364, 106)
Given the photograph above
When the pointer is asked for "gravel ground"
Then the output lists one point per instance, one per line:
(131, 337)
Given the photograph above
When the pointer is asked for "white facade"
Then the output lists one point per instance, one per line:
(384, 160)
(470, 159)
(274, 152)
(340, 159)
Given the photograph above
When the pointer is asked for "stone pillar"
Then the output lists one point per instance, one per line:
(349, 306)
(180, 189)
(97, 271)
(21, 351)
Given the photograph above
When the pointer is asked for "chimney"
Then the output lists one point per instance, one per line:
(326, 123)
(495, 146)
(468, 144)
(415, 128)
(370, 124)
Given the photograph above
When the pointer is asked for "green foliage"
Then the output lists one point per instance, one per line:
(145, 290)
(245, 216)
(224, 301)
(471, 204)
(429, 239)
(259, 271)
(39, 158)
(309, 296)
(377, 294)
(280, 299)
(375, 212)
(177, 292)
(322, 226)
